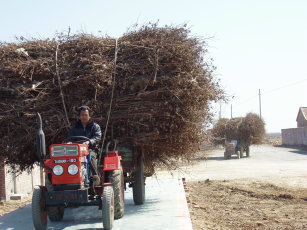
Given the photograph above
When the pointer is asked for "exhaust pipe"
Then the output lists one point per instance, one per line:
(40, 143)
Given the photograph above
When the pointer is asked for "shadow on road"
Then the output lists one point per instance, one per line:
(216, 158)
(132, 209)
(74, 218)
(302, 152)
(300, 149)
(208, 158)
(223, 159)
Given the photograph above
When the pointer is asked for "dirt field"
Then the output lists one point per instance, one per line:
(267, 190)
(237, 204)
(12, 205)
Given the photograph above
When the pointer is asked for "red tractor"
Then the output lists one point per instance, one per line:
(72, 180)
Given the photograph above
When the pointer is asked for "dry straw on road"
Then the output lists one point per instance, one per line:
(162, 91)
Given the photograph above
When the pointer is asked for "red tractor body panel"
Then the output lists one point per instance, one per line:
(62, 157)
(66, 178)
(82, 149)
(68, 154)
(112, 161)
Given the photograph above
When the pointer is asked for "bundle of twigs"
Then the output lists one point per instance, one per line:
(162, 91)
(249, 129)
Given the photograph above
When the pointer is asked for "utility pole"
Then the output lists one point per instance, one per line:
(260, 103)
(231, 111)
(220, 113)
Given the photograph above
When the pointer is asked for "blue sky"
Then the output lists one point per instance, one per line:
(255, 44)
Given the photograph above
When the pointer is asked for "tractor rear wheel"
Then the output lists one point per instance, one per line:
(241, 151)
(56, 213)
(247, 151)
(238, 154)
(107, 207)
(139, 184)
(117, 180)
(39, 213)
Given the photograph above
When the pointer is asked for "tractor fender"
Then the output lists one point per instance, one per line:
(112, 161)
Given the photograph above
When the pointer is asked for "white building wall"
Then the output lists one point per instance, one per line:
(294, 136)
(21, 183)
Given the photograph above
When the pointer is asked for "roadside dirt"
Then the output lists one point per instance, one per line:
(272, 140)
(12, 205)
(246, 204)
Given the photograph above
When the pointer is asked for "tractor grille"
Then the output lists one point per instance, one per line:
(64, 150)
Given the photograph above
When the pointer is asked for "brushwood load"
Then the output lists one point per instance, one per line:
(237, 134)
(155, 82)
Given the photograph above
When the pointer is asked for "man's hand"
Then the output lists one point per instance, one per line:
(86, 143)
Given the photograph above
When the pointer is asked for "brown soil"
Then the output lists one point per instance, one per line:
(12, 205)
(235, 204)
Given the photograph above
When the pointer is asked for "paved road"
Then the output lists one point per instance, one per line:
(165, 208)
(267, 163)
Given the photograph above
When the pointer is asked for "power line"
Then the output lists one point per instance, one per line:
(272, 90)
(288, 85)
(260, 93)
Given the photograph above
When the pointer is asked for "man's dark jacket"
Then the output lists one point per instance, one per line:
(91, 131)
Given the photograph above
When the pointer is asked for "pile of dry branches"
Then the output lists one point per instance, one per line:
(249, 129)
(162, 91)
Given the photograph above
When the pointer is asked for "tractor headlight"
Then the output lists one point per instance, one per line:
(58, 170)
(73, 169)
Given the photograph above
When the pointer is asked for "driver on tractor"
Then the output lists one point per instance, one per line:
(87, 128)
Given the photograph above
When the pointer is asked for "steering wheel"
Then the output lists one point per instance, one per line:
(80, 139)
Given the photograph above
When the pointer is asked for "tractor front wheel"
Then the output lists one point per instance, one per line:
(107, 207)
(39, 213)
(117, 179)
(139, 184)
(56, 213)
(227, 156)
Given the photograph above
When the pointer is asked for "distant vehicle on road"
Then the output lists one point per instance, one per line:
(235, 147)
